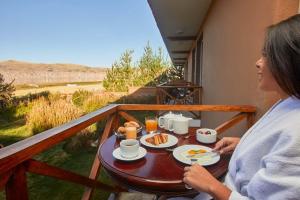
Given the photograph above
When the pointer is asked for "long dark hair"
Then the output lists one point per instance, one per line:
(282, 50)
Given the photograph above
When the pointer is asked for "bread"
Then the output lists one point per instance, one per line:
(163, 138)
(131, 124)
(135, 124)
(121, 129)
(158, 139)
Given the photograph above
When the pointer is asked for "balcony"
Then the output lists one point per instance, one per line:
(17, 159)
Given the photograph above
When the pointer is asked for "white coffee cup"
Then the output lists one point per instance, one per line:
(129, 148)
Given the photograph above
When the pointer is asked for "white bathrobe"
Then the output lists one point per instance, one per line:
(266, 163)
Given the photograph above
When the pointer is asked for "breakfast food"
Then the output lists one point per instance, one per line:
(205, 132)
(194, 152)
(131, 124)
(122, 129)
(158, 139)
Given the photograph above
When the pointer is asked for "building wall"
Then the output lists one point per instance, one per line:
(233, 34)
(189, 68)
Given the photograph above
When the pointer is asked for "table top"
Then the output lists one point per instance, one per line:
(158, 172)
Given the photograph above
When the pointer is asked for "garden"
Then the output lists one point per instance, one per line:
(24, 116)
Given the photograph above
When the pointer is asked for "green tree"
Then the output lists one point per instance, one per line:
(121, 75)
(152, 67)
(6, 92)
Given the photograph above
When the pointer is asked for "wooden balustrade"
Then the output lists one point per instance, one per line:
(178, 93)
(16, 159)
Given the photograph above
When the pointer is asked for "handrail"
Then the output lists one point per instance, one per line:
(179, 86)
(16, 153)
(15, 160)
(215, 108)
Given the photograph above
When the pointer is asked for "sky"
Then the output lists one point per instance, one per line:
(87, 32)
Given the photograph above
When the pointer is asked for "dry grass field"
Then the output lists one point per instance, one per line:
(63, 89)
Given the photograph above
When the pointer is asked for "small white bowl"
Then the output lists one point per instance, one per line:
(206, 138)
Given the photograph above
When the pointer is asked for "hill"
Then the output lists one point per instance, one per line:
(37, 73)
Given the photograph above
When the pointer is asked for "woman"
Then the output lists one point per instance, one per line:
(266, 161)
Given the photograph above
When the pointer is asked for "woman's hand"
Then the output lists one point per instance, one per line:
(226, 145)
(201, 180)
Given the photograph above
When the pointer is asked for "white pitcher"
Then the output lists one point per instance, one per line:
(179, 125)
(163, 120)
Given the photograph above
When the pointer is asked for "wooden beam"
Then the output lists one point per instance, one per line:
(44, 169)
(4, 178)
(179, 62)
(179, 58)
(18, 152)
(16, 187)
(230, 123)
(182, 38)
(215, 108)
(250, 119)
(129, 117)
(179, 52)
(96, 164)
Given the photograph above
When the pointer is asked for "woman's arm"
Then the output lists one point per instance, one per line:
(226, 145)
(201, 180)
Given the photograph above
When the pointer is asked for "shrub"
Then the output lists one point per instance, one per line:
(45, 114)
(6, 92)
(80, 96)
(30, 97)
(80, 141)
(95, 102)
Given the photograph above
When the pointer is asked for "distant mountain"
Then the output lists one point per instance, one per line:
(24, 66)
(38, 73)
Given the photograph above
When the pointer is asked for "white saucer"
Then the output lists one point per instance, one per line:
(172, 140)
(141, 154)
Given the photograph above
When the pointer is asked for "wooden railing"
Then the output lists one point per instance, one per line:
(179, 93)
(17, 159)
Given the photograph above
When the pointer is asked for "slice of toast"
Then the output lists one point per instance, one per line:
(158, 139)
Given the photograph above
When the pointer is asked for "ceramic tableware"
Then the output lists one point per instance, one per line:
(183, 154)
(129, 148)
(172, 140)
(141, 153)
(179, 125)
(206, 135)
(164, 120)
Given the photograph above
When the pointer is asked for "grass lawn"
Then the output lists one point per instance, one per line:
(13, 128)
(41, 187)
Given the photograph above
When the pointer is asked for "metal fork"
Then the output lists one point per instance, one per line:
(193, 161)
(211, 153)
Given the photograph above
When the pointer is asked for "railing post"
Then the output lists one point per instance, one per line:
(157, 95)
(16, 187)
(250, 119)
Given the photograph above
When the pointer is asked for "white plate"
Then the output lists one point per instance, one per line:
(180, 154)
(172, 140)
(117, 155)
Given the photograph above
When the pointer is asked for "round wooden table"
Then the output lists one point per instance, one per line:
(158, 172)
